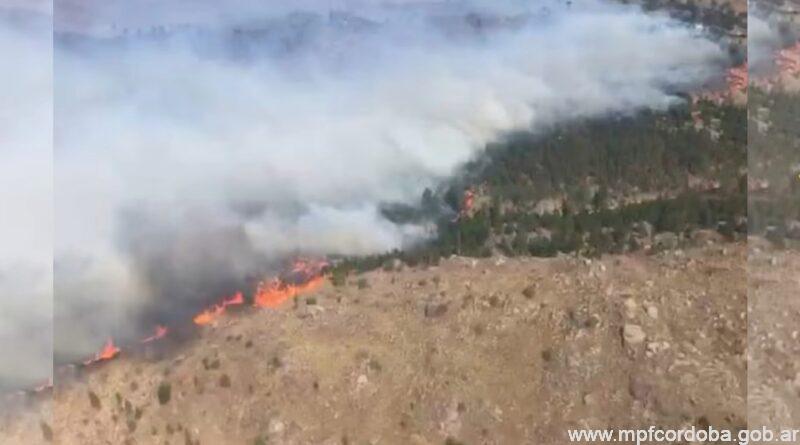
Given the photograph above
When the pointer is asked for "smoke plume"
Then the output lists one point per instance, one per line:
(26, 214)
(195, 151)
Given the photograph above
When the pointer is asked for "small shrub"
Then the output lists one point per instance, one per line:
(47, 432)
(311, 301)
(375, 365)
(529, 292)
(210, 364)
(164, 393)
(339, 277)
(94, 400)
(362, 283)
(225, 381)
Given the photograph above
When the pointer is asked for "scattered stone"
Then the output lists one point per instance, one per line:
(633, 334)
(630, 307)
(652, 312)
(276, 426)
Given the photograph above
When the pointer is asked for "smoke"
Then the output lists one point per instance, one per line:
(196, 150)
(26, 214)
(766, 34)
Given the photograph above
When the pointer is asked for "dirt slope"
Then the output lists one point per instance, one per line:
(492, 351)
(774, 320)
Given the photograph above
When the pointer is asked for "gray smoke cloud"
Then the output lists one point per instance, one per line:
(766, 34)
(26, 213)
(196, 150)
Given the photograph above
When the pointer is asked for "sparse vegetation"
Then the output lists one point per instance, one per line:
(164, 393)
(94, 400)
(338, 276)
(47, 431)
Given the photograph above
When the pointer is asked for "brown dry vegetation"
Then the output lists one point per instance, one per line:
(487, 351)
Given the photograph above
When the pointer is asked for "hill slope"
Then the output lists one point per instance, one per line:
(473, 351)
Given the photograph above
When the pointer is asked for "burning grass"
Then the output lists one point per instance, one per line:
(304, 276)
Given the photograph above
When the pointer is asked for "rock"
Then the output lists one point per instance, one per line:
(702, 237)
(276, 426)
(633, 334)
(416, 439)
(665, 241)
(652, 312)
(630, 307)
(656, 347)
(793, 229)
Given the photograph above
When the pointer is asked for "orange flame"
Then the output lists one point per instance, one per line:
(788, 60)
(108, 352)
(160, 332)
(273, 293)
(737, 78)
(214, 312)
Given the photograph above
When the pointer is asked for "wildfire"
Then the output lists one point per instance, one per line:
(273, 293)
(214, 312)
(737, 78)
(108, 352)
(160, 332)
(788, 60)
(787, 64)
(305, 276)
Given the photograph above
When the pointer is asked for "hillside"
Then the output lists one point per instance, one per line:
(471, 351)
(617, 184)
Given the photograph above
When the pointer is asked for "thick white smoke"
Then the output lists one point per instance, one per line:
(26, 213)
(189, 158)
(763, 40)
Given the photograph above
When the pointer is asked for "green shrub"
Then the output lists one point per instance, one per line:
(164, 393)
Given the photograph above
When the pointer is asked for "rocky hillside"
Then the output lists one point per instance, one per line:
(773, 319)
(474, 351)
